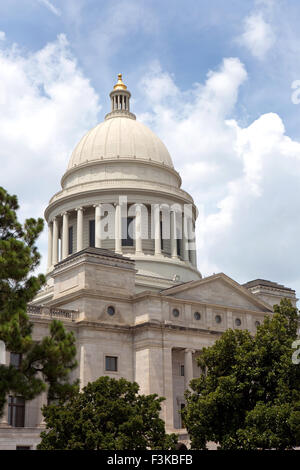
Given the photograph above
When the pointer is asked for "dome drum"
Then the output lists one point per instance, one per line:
(122, 170)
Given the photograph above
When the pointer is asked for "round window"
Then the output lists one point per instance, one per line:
(175, 312)
(238, 322)
(111, 310)
(197, 316)
(218, 318)
(257, 323)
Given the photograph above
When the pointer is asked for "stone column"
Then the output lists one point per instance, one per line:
(55, 241)
(50, 243)
(185, 250)
(4, 417)
(188, 367)
(61, 246)
(118, 234)
(192, 240)
(173, 235)
(79, 229)
(194, 252)
(43, 400)
(86, 367)
(157, 235)
(65, 235)
(167, 405)
(81, 365)
(138, 230)
(98, 226)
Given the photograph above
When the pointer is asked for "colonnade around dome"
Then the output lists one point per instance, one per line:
(141, 230)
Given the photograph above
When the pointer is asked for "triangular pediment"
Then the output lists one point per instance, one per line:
(218, 289)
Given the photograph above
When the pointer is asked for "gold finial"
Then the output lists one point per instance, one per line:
(120, 85)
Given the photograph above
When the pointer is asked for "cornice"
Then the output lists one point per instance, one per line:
(118, 187)
(85, 257)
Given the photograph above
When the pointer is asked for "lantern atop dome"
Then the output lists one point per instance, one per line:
(120, 101)
(120, 85)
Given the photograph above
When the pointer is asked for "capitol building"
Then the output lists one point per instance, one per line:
(123, 276)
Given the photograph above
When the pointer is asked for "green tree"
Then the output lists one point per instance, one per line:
(50, 360)
(108, 414)
(248, 396)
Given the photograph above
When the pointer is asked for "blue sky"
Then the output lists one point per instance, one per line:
(187, 37)
(212, 79)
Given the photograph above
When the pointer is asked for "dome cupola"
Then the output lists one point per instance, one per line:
(120, 100)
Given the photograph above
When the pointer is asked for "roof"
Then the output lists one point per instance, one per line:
(266, 283)
(120, 137)
(235, 286)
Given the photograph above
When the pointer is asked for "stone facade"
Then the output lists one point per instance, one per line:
(141, 311)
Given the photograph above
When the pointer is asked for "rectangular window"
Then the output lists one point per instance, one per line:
(127, 230)
(70, 240)
(182, 370)
(92, 233)
(15, 359)
(111, 363)
(23, 447)
(178, 247)
(161, 235)
(16, 412)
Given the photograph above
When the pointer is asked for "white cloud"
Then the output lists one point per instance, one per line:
(258, 36)
(244, 179)
(46, 105)
(51, 7)
(2, 36)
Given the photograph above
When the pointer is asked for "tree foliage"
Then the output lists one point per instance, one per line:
(50, 360)
(108, 414)
(248, 396)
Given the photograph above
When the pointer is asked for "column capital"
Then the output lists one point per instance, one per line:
(81, 208)
(189, 350)
(65, 213)
(176, 210)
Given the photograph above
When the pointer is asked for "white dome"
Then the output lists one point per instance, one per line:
(121, 159)
(120, 138)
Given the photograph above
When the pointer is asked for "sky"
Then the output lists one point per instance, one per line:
(218, 82)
